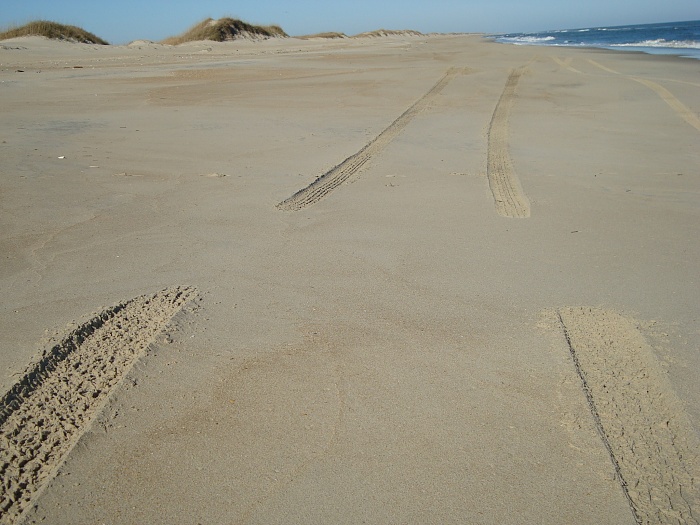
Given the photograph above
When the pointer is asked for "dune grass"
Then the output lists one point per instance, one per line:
(330, 34)
(224, 29)
(54, 31)
(388, 32)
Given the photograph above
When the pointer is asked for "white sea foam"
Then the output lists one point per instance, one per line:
(527, 39)
(677, 38)
(660, 42)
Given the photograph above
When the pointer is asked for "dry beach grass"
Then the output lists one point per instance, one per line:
(224, 29)
(52, 30)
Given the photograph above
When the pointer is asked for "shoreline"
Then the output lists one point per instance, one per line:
(693, 54)
(680, 38)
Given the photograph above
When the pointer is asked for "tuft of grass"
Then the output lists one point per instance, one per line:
(223, 30)
(54, 31)
(330, 34)
(388, 32)
(275, 31)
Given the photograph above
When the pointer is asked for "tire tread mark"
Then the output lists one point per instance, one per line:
(641, 421)
(508, 195)
(337, 175)
(44, 414)
(676, 105)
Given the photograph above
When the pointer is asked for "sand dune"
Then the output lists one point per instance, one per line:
(415, 279)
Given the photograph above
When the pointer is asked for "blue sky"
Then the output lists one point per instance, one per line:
(120, 22)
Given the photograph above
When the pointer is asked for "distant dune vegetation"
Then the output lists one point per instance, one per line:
(369, 34)
(388, 32)
(221, 30)
(331, 34)
(225, 29)
(54, 31)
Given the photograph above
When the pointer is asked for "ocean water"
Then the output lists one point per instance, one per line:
(676, 38)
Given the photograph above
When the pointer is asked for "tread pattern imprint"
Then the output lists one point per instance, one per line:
(508, 195)
(337, 175)
(643, 424)
(44, 414)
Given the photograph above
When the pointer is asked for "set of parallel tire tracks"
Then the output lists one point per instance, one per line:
(48, 409)
(505, 186)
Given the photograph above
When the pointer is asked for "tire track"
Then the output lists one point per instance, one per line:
(44, 414)
(334, 177)
(643, 424)
(601, 66)
(566, 64)
(676, 105)
(508, 195)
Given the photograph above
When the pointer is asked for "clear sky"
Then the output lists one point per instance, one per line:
(121, 21)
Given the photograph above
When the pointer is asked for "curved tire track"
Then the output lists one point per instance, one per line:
(676, 105)
(334, 177)
(44, 414)
(508, 195)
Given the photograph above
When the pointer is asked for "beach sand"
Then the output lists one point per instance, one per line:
(485, 310)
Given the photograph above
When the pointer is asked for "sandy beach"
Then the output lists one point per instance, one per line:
(410, 279)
